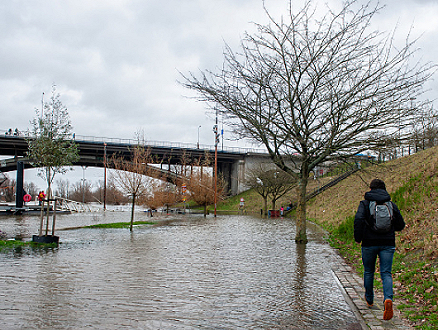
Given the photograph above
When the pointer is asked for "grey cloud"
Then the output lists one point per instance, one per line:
(116, 63)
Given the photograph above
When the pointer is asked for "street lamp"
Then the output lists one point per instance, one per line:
(83, 183)
(198, 135)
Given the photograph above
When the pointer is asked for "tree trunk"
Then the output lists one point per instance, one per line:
(49, 196)
(301, 235)
(265, 205)
(274, 202)
(205, 210)
(132, 212)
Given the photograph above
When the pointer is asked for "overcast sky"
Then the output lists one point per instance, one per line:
(116, 62)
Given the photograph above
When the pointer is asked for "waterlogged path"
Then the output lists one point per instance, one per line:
(232, 272)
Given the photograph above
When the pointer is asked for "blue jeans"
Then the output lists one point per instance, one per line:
(369, 257)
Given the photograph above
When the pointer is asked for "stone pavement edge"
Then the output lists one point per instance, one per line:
(352, 288)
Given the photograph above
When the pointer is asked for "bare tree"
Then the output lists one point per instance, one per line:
(163, 194)
(424, 132)
(31, 189)
(113, 195)
(267, 181)
(315, 88)
(254, 180)
(201, 188)
(7, 189)
(62, 188)
(81, 191)
(279, 183)
(132, 176)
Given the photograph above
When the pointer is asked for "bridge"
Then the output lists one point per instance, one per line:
(232, 162)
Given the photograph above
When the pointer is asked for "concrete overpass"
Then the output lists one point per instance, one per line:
(233, 163)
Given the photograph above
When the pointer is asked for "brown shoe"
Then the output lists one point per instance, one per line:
(388, 313)
(370, 304)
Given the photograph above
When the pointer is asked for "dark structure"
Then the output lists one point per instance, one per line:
(92, 153)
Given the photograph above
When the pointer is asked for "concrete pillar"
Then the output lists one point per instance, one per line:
(19, 185)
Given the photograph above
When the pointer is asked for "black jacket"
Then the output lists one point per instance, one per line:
(362, 231)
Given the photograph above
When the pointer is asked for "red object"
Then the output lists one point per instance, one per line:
(27, 198)
(274, 213)
(41, 196)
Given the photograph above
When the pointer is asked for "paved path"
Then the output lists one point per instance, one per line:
(370, 318)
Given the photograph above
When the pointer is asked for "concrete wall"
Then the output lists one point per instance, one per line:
(240, 169)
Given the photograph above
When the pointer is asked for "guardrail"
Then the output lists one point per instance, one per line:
(163, 144)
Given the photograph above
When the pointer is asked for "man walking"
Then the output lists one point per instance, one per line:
(376, 221)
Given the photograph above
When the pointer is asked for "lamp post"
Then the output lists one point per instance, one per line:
(104, 176)
(198, 135)
(83, 183)
(42, 106)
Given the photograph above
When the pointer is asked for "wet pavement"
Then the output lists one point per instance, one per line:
(233, 272)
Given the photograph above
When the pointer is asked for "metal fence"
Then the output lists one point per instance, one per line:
(159, 144)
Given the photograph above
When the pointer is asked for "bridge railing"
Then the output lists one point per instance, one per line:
(152, 143)
(167, 144)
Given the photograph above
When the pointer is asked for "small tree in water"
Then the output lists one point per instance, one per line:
(201, 187)
(132, 176)
(51, 147)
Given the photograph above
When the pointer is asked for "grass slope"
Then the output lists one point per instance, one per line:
(412, 182)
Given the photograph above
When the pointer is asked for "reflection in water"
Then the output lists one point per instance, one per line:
(300, 274)
(233, 272)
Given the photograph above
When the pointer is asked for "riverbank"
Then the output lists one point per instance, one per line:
(412, 182)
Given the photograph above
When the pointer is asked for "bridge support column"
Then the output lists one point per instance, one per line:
(19, 185)
(232, 173)
(236, 177)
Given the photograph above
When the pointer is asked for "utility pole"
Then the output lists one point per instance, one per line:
(216, 142)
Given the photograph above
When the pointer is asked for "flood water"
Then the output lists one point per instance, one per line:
(229, 272)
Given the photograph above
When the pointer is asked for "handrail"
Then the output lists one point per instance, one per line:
(74, 206)
(330, 184)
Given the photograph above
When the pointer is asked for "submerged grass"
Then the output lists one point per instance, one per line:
(121, 224)
(7, 245)
(12, 244)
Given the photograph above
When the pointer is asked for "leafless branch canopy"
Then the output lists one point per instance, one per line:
(320, 87)
(133, 176)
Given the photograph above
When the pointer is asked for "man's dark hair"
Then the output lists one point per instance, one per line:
(377, 184)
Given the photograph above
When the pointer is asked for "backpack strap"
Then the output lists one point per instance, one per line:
(390, 209)
(369, 213)
(372, 208)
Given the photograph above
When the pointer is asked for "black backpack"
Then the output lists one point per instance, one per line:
(381, 217)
